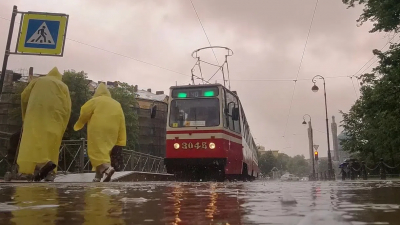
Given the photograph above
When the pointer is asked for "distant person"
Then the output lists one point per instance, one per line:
(46, 108)
(106, 129)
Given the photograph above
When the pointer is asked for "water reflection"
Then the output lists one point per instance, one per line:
(100, 209)
(199, 203)
(35, 205)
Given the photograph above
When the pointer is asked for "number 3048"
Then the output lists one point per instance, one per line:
(197, 145)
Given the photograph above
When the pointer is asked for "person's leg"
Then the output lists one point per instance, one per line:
(44, 170)
(117, 161)
(98, 176)
(109, 172)
(106, 169)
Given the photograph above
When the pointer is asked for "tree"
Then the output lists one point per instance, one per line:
(266, 162)
(373, 122)
(124, 94)
(283, 161)
(322, 165)
(78, 85)
(298, 166)
(385, 13)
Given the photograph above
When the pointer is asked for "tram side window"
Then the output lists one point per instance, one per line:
(225, 118)
(231, 103)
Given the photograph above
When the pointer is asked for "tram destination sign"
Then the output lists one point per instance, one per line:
(195, 92)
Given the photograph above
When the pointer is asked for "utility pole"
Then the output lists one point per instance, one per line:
(311, 146)
(7, 51)
(310, 143)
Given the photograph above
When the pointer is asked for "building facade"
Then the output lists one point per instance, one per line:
(262, 151)
(152, 131)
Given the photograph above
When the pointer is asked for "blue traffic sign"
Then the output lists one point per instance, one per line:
(42, 34)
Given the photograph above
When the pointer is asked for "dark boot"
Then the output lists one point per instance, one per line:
(44, 171)
(108, 172)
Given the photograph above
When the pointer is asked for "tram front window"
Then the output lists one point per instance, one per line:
(194, 112)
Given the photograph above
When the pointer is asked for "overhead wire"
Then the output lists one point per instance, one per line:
(354, 87)
(301, 62)
(365, 69)
(355, 74)
(286, 80)
(204, 30)
(121, 55)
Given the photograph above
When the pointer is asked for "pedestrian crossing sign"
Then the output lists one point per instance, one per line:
(42, 34)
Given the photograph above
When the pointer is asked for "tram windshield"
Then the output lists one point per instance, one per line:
(203, 112)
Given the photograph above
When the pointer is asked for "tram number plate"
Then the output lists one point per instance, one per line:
(197, 145)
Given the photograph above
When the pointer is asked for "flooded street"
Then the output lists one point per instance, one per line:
(256, 202)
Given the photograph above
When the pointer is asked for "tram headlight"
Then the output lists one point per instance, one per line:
(211, 145)
(176, 146)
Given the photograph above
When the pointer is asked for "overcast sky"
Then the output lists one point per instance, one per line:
(267, 37)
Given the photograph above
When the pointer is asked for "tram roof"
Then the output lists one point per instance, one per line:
(196, 86)
(202, 85)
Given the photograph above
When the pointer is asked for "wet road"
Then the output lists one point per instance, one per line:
(256, 202)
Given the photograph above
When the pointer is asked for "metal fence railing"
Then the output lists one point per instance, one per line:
(354, 170)
(73, 158)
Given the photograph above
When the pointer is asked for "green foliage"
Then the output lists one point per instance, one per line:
(373, 122)
(296, 165)
(78, 86)
(283, 161)
(124, 94)
(384, 13)
(323, 165)
(266, 162)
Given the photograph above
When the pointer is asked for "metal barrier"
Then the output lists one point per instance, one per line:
(73, 159)
(363, 170)
(137, 161)
(353, 171)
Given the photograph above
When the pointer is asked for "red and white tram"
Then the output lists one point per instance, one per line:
(208, 134)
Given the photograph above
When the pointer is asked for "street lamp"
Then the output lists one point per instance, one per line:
(315, 89)
(311, 143)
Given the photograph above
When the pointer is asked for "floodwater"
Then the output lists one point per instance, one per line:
(258, 202)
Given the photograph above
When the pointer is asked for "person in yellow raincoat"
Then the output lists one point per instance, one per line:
(106, 128)
(46, 108)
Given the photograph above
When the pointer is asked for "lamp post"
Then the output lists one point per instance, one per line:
(311, 143)
(315, 89)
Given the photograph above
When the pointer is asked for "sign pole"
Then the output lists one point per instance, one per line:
(7, 52)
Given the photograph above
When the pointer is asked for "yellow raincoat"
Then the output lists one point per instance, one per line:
(106, 125)
(46, 108)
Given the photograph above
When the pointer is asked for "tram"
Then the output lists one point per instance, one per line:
(208, 135)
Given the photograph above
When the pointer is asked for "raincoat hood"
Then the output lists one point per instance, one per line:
(102, 90)
(55, 73)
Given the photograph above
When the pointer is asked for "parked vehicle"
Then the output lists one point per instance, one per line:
(289, 177)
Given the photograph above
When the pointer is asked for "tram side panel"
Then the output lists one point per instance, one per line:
(234, 154)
